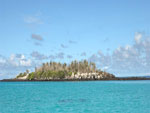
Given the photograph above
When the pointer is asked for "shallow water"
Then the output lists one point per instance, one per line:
(75, 97)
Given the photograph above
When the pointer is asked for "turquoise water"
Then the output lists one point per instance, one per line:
(75, 97)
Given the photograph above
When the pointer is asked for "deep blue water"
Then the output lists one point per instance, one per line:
(75, 97)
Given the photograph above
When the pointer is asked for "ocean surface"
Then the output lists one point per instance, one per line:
(75, 97)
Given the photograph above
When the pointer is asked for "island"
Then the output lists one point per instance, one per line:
(75, 71)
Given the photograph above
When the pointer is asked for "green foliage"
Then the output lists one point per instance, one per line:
(31, 76)
(69, 73)
(21, 75)
(54, 70)
(61, 74)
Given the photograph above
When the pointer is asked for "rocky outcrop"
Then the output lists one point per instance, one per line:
(95, 75)
(23, 78)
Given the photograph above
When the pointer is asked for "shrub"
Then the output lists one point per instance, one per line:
(31, 76)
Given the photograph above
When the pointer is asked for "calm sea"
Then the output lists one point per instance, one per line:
(75, 97)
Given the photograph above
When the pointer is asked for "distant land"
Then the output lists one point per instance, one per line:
(75, 71)
(146, 76)
(135, 76)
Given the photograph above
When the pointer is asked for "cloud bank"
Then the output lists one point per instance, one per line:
(129, 60)
(14, 64)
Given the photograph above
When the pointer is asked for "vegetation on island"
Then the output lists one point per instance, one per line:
(57, 70)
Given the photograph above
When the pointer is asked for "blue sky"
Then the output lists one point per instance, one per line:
(112, 33)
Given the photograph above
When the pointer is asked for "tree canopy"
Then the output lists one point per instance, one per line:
(57, 70)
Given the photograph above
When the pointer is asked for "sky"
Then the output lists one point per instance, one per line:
(115, 34)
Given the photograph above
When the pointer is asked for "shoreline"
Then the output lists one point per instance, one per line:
(67, 80)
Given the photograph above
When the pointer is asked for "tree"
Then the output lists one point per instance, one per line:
(59, 70)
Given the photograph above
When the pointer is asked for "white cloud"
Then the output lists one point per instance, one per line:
(22, 57)
(38, 56)
(16, 63)
(12, 57)
(129, 60)
(25, 62)
(33, 19)
(138, 37)
(19, 60)
(2, 61)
